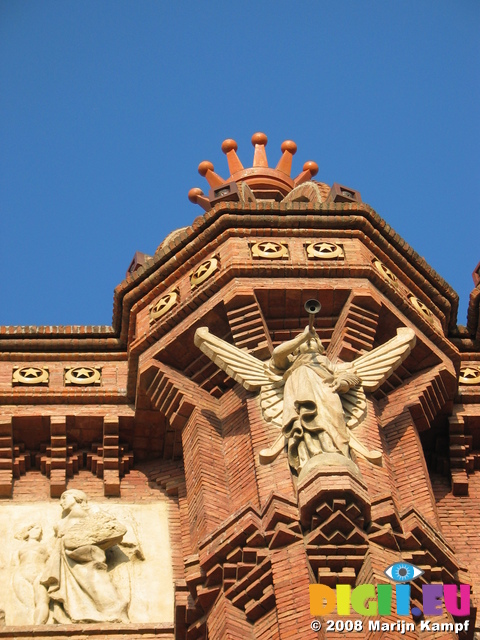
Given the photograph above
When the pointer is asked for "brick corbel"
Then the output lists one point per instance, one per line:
(111, 452)
(58, 469)
(247, 323)
(6, 457)
(172, 393)
(356, 327)
(458, 450)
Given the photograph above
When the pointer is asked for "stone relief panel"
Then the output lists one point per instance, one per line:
(80, 562)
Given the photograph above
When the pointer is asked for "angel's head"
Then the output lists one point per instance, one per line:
(312, 345)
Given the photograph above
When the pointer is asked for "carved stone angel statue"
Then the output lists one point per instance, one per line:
(316, 404)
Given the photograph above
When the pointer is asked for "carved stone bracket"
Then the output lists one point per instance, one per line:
(111, 473)
(169, 398)
(426, 547)
(418, 542)
(59, 459)
(43, 460)
(428, 394)
(95, 461)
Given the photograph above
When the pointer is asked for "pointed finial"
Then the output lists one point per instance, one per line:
(229, 148)
(259, 141)
(197, 196)
(289, 149)
(310, 169)
(205, 169)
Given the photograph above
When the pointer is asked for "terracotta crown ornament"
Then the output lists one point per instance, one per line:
(259, 182)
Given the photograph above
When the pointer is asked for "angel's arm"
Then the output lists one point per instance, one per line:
(344, 381)
(280, 354)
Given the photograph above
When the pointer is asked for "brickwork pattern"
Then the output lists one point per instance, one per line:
(166, 424)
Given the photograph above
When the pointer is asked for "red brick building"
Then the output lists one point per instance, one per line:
(136, 414)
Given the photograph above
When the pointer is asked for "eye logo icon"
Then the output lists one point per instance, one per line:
(403, 572)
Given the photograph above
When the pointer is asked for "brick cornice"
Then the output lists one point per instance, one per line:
(275, 219)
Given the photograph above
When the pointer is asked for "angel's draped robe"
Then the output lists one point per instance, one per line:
(313, 418)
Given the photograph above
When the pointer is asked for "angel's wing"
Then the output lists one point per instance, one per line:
(251, 373)
(271, 402)
(375, 367)
(239, 365)
(354, 406)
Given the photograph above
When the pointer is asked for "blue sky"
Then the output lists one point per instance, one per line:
(108, 106)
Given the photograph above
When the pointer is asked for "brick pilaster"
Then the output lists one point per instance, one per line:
(205, 475)
(291, 584)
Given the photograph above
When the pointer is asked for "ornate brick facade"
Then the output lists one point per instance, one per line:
(136, 413)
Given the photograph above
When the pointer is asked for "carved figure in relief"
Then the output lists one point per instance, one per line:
(314, 402)
(76, 578)
(123, 559)
(29, 564)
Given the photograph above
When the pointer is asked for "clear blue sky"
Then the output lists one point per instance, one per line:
(108, 106)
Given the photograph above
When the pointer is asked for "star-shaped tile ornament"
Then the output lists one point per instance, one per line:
(30, 376)
(385, 272)
(420, 306)
(324, 250)
(203, 272)
(469, 374)
(163, 306)
(269, 249)
(83, 376)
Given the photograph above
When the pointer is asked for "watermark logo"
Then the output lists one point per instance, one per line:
(403, 572)
(376, 600)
